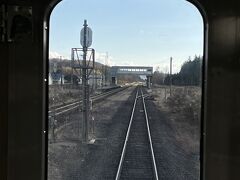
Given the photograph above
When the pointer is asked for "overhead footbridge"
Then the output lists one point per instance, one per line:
(128, 70)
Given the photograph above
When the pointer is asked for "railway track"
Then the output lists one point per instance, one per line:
(137, 159)
(59, 110)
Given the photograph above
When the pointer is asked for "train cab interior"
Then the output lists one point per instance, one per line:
(23, 75)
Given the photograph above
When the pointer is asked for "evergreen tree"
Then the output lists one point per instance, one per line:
(189, 75)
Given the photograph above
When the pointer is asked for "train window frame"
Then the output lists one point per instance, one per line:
(46, 27)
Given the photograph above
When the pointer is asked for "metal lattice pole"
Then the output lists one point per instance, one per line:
(85, 88)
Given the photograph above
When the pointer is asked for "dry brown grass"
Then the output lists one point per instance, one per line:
(183, 109)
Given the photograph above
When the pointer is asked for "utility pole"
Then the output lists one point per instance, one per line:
(61, 70)
(105, 70)
(170, 76)
(72, 64)
(103, 79)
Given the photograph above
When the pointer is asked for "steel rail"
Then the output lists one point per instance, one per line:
(127, 137)
(78, 102)
(150, 138)
(57, 107)
(74, 106)
(126, 140)
(64, 106)
(66, 110)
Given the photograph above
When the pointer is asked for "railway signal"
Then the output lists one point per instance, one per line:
(83, 62)
(86, 41)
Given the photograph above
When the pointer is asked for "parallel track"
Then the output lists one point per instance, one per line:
(137, 159)
(76, 104)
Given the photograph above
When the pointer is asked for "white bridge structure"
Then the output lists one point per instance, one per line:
(136, 70)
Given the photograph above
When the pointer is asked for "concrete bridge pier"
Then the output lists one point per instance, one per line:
(149, 79)
(114, 80)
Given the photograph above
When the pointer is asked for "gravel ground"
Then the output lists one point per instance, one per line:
(70, 160)
(175, 133)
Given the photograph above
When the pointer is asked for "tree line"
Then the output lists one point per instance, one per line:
(189, 75)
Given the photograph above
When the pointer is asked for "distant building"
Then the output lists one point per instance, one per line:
(55, 78)
(97, 80)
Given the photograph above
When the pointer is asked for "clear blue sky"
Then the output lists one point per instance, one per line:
(133, 32)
